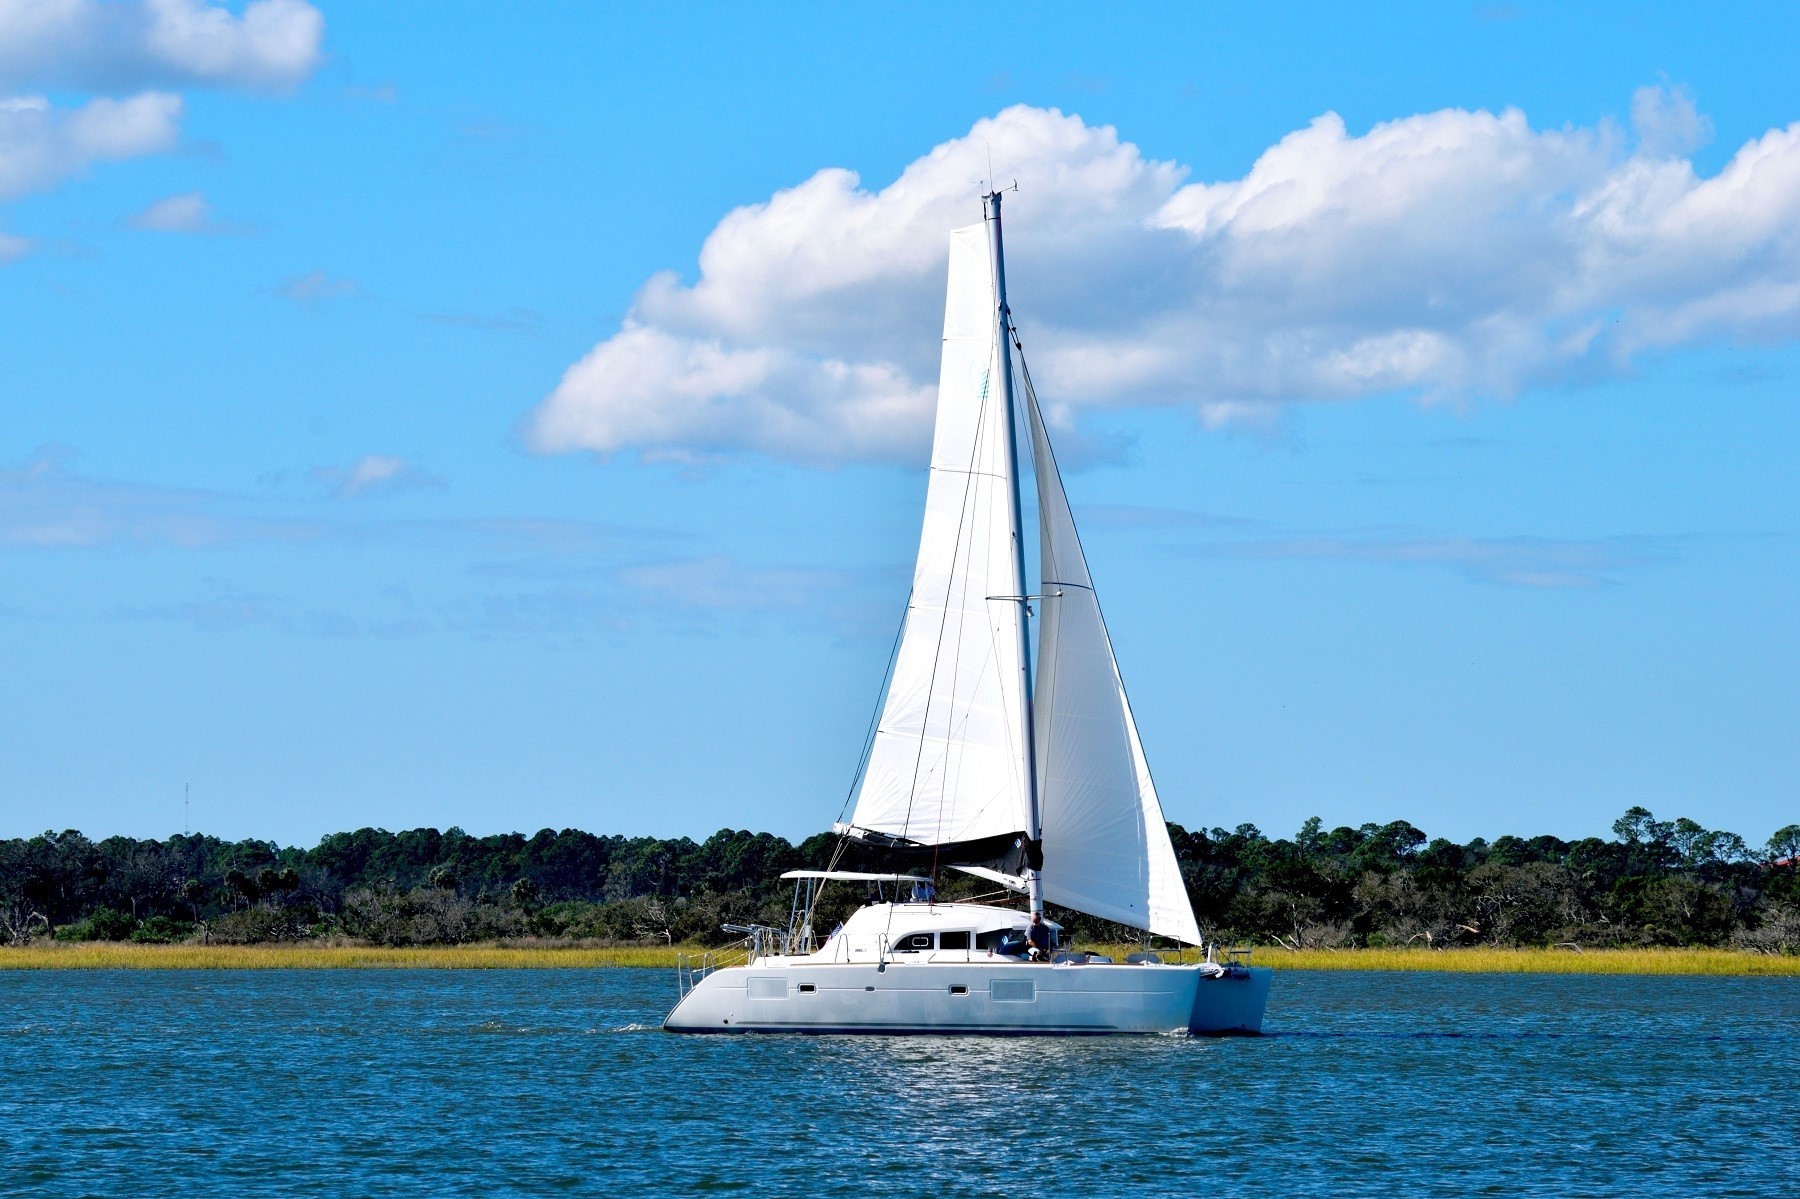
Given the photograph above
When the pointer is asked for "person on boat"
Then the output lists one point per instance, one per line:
(1037, 936)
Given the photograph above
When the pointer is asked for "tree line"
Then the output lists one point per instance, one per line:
(1653, 883)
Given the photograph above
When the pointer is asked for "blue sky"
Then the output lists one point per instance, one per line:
(359, 465)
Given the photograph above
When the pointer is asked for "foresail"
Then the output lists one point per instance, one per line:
(1106, 848)
(946, 764)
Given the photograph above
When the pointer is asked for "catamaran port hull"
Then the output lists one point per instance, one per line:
(982, 997)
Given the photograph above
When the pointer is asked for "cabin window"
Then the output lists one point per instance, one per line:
(992, 939)
(913, 943)
(953, 940)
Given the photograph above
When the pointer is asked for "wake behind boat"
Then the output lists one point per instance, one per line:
(1034, 780)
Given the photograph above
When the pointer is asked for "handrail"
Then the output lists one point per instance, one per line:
(691, 969)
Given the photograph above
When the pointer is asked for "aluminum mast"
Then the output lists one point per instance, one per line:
(1003, 339)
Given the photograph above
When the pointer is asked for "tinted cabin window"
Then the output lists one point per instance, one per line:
(913, 943)
(953, 940)
(991, 940)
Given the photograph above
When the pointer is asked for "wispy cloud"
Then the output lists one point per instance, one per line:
(46, 505)
(704, 591)
(513, 320)
(223, 608)
(1536, 562)
(374, 473)
(315, 287)
(721, 583)
(1135, 516)
(379, 93)
(186, 213)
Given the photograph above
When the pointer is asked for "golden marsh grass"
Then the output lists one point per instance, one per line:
(115, 956)
(111, 956)
(1523, 961)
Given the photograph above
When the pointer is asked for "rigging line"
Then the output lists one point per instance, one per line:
(943, 620)
(952, 780)
(1050, 629)
(981, 433)
(931, 686)
(862, 761)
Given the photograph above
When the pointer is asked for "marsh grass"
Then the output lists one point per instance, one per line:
(1520, 961)
(99, 955)
(516, 956)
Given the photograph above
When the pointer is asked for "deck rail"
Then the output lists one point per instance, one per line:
(690, 968)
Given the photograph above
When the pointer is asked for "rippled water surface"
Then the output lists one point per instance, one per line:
(390, 1082)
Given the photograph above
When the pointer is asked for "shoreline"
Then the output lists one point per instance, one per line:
(100, 955)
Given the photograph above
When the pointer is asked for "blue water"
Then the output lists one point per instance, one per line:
(375, 1083)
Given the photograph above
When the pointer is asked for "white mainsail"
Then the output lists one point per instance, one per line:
(947, 761)
(1106, 846)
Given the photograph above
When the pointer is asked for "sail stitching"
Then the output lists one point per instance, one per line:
(953, 759)
(931, 685)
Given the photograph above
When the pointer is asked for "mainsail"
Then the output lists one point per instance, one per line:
(949, 761)
(946, 764)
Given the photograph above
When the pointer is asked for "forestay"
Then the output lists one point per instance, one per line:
(947, 761)
(1106, 847)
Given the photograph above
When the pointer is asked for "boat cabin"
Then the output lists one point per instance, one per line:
(911, 926)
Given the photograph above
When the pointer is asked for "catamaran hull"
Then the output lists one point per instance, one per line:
(979, 998)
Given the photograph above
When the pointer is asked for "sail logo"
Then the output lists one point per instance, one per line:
(979, 376)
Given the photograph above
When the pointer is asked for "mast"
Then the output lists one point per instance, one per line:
(1003, 340)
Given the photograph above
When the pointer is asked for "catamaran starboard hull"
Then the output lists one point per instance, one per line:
(977, 998)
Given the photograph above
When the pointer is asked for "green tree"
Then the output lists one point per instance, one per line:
(1785, 844)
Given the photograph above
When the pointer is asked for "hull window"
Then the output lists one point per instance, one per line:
(1011, 990)
(958, 989)
(768, 988)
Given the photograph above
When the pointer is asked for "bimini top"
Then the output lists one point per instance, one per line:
(856, 876)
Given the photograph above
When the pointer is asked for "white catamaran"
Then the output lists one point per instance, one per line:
(1036, 784)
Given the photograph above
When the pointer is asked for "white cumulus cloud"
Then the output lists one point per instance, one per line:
(102, 46)
(1448, 253)
(41, 145)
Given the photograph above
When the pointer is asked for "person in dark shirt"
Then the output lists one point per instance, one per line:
(1038, 936)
